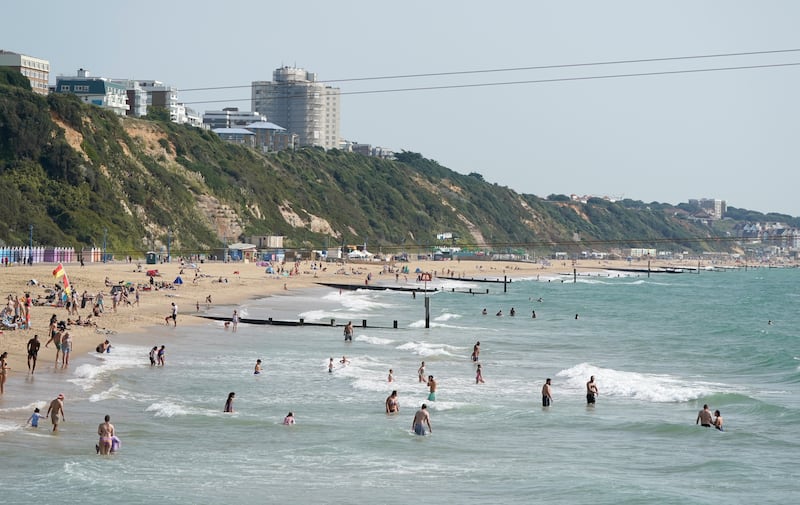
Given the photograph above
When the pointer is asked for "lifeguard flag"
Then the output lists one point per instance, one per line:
(59, 272)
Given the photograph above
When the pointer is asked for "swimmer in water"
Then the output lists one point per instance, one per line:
(257, 369)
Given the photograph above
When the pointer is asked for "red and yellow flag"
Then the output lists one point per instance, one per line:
(59, 272)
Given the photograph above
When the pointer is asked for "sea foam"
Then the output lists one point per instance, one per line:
(645, 387)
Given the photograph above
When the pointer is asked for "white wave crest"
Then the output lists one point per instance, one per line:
(426, 349)
(373, 340)
(167, 409)
(653, 388)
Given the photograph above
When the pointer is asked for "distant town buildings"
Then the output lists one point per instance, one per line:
(95, 90)
(36, 70)
(304, 106)
(713, 207)
(230, 117)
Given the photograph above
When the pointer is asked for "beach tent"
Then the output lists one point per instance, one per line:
(270, 270)
(178, 280)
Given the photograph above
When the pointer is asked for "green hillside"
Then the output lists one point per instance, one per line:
(76, 172)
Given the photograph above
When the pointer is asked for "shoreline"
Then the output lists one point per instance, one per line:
(228, 284)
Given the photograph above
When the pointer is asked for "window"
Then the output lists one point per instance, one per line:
(65, 87)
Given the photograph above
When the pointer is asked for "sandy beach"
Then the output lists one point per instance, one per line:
(226, 283)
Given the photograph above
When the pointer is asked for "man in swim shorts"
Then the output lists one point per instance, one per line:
(421, 419)
(432, 386)
(547, 397)
(33, 352)
(55, 410)
(591, 391)
(106, 433)
(704, 417)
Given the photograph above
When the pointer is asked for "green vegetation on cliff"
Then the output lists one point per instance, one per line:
(77, 172)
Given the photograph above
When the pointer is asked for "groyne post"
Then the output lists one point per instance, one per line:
(427, 312)
(574, 275)
(505, 284)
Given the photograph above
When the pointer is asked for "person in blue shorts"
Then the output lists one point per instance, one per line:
(422, 419)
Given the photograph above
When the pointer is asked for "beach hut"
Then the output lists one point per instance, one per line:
(151, 258)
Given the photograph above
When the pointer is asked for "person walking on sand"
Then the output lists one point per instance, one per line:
(56, 411)
(432, 386)
(161, 356)
(106, 433)
(591, 391)
(229, 402)
(421, 419)
(547, 394)
(421, 372)
(66, 348)
(704, 417)
(173, 315)
(478, 375)
(33, 351)
(55, 338)
(392, 404)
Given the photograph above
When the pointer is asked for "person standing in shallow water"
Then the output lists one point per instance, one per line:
(591, 391)
(229, 402)
(547, 394)
(704, 417)
(422, 419)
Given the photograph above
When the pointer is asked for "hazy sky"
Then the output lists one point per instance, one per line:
(666, 138)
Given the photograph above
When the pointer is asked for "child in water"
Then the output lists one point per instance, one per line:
(34, 419)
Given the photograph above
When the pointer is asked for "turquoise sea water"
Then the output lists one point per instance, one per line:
(659, 347)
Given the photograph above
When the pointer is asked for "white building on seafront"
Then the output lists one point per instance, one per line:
(295, 100)
(36, 70)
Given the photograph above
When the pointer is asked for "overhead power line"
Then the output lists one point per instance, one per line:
(518, 69)
(539, 81)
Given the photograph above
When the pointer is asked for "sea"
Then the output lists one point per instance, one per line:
(659, 346)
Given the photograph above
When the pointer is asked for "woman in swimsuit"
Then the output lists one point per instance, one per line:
(229, 402)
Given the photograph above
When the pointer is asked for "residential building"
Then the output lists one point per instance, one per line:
(715, 208)
(270, 137)
(301, 104)
(95, 90)
(230, 117)
(36, 70)
(137, 97)
(236, 136)
(161, 95)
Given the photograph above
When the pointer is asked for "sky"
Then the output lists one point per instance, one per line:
(666, 138)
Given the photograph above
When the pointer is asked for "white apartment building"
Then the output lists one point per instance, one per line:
(304, 106)
(230, 117)
(36, 70)
(95, 90)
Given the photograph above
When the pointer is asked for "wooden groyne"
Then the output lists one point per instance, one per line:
(373, 287)
(290, 322)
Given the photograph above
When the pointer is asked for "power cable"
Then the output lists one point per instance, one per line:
(517, 69)
(535, 81)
